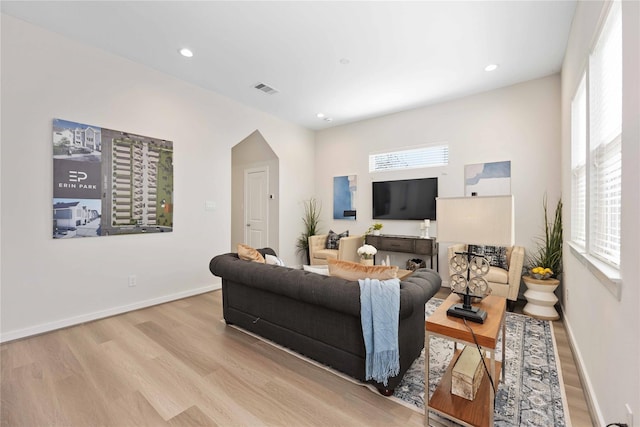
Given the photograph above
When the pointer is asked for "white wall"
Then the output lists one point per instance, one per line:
(48, 284)
(520, 123)
(603, 329)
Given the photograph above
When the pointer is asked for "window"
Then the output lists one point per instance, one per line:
(579, 164)
(410, 158)
(596, 147)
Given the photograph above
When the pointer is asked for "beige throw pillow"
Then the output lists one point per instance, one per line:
(250, 254)
(353, 271)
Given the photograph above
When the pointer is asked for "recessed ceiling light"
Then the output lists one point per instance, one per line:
(491, 67)
(187, 53)
(320, 115)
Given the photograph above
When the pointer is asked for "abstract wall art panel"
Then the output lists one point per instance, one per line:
(488, 179)
(344, 197)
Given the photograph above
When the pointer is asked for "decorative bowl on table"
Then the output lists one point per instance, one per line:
(541, 273)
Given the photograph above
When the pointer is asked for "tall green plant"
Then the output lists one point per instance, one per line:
(549, 254)
(311, 220)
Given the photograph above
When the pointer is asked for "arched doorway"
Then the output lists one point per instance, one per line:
(254, 186)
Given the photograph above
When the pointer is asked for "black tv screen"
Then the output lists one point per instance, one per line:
(405, 199)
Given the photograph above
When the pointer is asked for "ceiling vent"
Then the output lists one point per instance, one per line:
(266, 89)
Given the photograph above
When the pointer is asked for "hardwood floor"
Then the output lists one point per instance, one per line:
(178, 364)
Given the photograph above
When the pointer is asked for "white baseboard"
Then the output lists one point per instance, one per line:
(592, 403)
(88, 317)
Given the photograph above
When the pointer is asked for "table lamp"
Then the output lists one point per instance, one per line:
(477, 220)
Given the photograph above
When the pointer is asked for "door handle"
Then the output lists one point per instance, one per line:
(248, 225)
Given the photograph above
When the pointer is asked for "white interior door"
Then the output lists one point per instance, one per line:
(256, 207)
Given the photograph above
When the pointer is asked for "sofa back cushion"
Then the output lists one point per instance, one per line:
(497, 275)
(353, 271)
(333, 293)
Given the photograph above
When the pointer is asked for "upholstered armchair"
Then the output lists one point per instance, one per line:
(503, 282)
(347, 250)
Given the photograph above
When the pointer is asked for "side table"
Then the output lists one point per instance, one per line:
(477, 412)
(541, 298)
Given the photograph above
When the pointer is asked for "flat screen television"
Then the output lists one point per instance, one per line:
(405, 199)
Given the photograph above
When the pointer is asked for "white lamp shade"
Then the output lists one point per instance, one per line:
(476, 220)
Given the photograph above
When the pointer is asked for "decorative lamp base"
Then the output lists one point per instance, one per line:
(473, 314)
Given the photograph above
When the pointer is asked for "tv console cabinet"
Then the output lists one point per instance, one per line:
(406, 244)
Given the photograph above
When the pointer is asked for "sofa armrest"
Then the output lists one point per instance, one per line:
(316, 243)
(427, 280)
(516, 263)
(348, 250)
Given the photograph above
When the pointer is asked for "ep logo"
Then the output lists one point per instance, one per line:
(77, 176)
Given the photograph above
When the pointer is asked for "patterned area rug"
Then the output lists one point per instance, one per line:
(532, 393)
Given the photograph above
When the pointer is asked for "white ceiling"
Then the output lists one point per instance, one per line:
(400, 55)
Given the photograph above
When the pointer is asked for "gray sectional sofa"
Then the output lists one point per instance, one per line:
(318, 316)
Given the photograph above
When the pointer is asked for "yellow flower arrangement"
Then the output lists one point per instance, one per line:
(541, 273)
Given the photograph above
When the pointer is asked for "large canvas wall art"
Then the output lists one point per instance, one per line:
(109, 182)
(344, 197)
(488, 179)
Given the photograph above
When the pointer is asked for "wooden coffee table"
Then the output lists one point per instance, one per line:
(477, 412)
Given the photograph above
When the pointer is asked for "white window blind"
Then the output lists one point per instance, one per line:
(605, 155)
(579, 164)
(410, 158)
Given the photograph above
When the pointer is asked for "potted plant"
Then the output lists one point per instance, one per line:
(311, 219)
(375, 229)
(547, 261)
(545, 266)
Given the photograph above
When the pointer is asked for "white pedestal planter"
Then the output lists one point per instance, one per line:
(541, 298)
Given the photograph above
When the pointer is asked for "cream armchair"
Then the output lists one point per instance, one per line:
(504, 283)
(347, 250)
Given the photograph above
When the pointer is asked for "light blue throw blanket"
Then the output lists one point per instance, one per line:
(379, 312)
